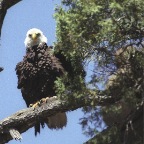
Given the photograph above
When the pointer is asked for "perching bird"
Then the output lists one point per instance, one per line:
(37, 74)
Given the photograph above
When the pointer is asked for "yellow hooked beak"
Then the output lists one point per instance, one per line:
(34, 36)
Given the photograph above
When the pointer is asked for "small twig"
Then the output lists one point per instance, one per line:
(15, 134)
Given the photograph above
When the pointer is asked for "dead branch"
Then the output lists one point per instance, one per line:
(1, 69)
(4, 5)
(24, 119)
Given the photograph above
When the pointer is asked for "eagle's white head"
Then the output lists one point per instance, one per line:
(34, 37)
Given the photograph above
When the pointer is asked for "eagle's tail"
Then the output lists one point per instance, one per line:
(37, 127)
(57, 121)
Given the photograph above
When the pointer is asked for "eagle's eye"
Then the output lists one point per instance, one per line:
(30, 35)
(38, 34)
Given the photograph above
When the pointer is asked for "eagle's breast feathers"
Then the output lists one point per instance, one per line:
(38, 71)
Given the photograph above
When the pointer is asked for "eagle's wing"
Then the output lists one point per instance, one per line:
(73, 66)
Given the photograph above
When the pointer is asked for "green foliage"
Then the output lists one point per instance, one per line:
(60, 87)
(69, 89)
(108, 33)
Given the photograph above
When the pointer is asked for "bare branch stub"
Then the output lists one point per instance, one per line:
(15, 134)
(1, 69)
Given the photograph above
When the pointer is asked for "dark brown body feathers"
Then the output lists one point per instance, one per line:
(36, 75)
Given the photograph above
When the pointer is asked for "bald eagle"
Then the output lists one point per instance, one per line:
(37, 74)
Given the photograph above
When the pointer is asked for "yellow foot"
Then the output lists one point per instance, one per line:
(47, 99)
(35, 105)
(44, 100)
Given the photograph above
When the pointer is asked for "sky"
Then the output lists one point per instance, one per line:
(19, 19)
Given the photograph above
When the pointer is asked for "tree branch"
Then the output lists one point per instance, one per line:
(4, 5)
(26, 118)
(128, 130)
(1, 69)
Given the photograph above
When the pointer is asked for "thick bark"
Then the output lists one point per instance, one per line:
(25, 119)
(4, 6)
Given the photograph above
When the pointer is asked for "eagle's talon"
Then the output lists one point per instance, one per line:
(44, 100)
(35, 105)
